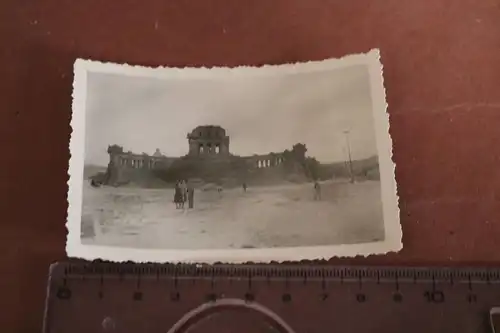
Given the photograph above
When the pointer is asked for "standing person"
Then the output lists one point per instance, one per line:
(178, 195)
(190, 193)
(184, 192)
(244, 187)
(317, 190)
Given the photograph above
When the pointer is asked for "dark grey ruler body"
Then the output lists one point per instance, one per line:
(244, 298)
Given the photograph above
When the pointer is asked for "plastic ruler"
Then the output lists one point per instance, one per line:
(126, 298)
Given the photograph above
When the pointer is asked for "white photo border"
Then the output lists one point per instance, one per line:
(390, 201)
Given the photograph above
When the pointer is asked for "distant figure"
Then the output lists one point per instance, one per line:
(183, 185)
(317, 190)
(190, 193)
(178, 195)
(219, 190)
(244, 187)
(94, 183)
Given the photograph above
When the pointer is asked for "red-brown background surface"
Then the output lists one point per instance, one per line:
(442, 74)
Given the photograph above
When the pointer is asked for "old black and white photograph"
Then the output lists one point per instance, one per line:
(270, 163)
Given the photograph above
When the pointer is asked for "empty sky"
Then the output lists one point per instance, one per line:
(260, 114)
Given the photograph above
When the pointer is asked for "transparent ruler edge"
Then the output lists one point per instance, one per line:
(415, 274)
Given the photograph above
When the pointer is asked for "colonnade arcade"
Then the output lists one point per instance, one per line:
(137, 162)
(269, 162)
(208, 148)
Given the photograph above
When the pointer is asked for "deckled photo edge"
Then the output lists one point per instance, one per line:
(393, 231)
(186, 73)
(390, 198)
(76, 161)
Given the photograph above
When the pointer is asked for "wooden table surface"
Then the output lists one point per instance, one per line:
(442, 73)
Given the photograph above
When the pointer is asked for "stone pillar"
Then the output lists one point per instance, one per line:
(224, 146)
(194, 147)
(114, 160)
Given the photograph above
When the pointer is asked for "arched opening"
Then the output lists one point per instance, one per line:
(196, 315)
(217, 149)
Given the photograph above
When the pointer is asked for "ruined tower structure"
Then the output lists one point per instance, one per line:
(208, 158)
(208, 140)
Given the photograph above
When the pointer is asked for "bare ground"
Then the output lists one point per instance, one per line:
(278, 216)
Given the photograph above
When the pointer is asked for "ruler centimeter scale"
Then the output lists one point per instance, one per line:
(102, 297)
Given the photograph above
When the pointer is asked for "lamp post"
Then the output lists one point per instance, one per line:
(351, 173)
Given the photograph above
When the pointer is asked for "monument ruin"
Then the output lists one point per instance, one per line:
(208, 158)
